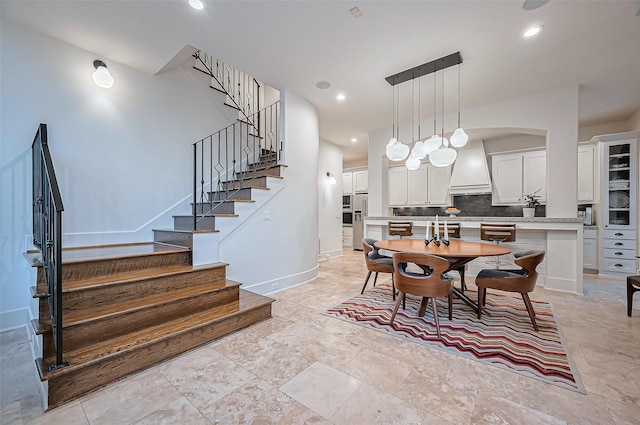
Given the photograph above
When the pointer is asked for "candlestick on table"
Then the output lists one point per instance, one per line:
(427, 237)
(445, 236)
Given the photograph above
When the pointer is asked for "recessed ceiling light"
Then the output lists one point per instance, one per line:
(355, 12)
(533, 31)
(341, 96)
(323, 85)
(354, 140)
(533, 4)
(196, 4)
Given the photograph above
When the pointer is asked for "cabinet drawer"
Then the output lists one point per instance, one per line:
(619, 234)
(619, 244)
(619, 265)
(629, 254)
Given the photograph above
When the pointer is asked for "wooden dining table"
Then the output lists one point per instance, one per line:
(460, 251)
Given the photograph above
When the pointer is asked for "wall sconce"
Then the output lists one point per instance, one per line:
(331, 180)
(101, 75)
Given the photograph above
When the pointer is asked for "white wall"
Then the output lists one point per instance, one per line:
(330, 200)
(634, 121)
(586, 132)
(123, 159)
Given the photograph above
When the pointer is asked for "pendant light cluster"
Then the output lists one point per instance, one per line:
(437, 146)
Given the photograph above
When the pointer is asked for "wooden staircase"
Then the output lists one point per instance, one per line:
(223, 202)
(129, 307)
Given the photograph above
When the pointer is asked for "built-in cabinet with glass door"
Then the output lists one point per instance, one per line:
(619, 206)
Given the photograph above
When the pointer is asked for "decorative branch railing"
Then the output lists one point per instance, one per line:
(228, 161)
(242, 89)
(47, 232)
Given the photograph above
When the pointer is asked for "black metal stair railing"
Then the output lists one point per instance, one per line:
(228, 160)
(242, 89)
(47, 232)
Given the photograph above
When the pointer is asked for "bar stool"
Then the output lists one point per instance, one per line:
(498, 233)
(400, 228)
(453, 229)
(633, 285)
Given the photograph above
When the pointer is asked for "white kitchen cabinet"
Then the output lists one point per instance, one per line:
(586, 174)
(347, 183)
(438, 186)
(507, 179)
(517, 174)
(361, 181)
(347, 237)
(398, 186)
(590, 249)
(417, 186)
(534, 174)
(426, 186)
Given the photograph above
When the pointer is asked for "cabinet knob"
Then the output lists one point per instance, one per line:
(619, 244)
(618, 253)
(618, 234)
(618, 265)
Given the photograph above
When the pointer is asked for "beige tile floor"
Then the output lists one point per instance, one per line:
(304, 368)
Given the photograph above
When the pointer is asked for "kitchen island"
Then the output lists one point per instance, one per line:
(561, 238)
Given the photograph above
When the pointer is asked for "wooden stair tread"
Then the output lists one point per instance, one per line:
(107, 252)
(231, 191)
(250, 180)
(95, 352)
(80, 316)
(222, 201)
(206, 215)
(123, 277)
(187, 231)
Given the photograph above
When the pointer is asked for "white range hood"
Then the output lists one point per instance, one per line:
(470, 173)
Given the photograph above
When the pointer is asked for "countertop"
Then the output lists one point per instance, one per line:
(483, 219)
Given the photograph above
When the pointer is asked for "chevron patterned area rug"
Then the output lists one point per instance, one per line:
(504, 337)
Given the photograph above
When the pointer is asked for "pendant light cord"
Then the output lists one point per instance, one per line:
(458, 95)
(413, 111)
(419, 95)
(442, 144)
(434, 104)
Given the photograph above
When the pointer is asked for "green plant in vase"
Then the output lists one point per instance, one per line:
(531, 201)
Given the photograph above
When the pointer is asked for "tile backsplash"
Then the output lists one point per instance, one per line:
(469, 205)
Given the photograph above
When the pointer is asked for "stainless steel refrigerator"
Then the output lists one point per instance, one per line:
(359, 213)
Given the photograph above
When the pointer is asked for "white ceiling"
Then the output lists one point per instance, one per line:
(295, 44)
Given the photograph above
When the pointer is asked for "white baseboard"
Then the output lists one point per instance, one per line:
(276, 285)
(330, 254)
(14, 319)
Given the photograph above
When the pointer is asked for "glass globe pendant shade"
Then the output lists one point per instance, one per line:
(419, 150)
(459, 138)
(434, 143)
(392, 142)
(398, 151)
(102, 77)
(412, 163)
(443, 156)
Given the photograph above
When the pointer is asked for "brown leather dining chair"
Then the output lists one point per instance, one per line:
(522, 281)
(633, 285)
(376, 263)
(400, 228)
(431, 284)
